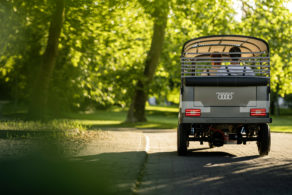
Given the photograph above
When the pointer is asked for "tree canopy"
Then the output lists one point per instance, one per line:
(103, 47)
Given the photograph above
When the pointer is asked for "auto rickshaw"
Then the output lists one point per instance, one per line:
(225, 92)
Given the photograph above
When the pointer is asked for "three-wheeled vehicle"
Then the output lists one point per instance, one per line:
(225, 92)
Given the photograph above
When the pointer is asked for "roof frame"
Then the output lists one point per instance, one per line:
(221, 38)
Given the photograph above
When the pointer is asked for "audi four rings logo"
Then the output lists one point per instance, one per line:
(224, 95)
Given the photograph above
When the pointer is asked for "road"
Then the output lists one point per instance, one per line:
(133, 161)
(231, 169)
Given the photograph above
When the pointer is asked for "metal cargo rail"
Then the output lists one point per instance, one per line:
(257, 65)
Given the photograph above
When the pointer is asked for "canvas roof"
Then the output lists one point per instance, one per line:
(203, 46)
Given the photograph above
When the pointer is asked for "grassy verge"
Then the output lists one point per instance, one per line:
(281, 124)
(54, 125)
(158, 118)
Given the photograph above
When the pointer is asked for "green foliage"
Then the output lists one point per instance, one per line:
(102, 48)
(188, 19)
(23, 33)
(104, 44)
(272, 22)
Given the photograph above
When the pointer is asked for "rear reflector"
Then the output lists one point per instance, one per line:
(193, 112)
(258, 112)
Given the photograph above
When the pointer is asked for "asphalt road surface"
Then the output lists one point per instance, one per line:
(132, 161)
(155, 168)
(231, 169)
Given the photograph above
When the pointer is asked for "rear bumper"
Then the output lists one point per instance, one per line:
(225, 120)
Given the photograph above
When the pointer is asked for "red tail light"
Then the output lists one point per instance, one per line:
(193, 112)
(258, 112)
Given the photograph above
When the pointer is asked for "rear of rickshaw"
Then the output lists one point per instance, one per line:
(225, 92)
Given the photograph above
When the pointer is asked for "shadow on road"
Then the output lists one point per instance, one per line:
(200, 172)
(215, 173)
(195, 153)
(45, 171)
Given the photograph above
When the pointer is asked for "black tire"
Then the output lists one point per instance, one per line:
(211, 145)
(182, 140)
(264, 140)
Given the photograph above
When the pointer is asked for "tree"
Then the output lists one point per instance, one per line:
(101, 47)
(102, 55)
(187, 20)
(24, 25)
(159, 15)
(40, 89)
(273, 23)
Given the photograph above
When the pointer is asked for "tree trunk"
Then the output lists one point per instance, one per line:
(39, 95)
(136, 112)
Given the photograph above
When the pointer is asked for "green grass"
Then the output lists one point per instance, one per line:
(158, 117)
(281, 124)
(37, 125)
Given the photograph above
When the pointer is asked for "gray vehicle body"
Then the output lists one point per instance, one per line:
(224, 104)
(232, 98)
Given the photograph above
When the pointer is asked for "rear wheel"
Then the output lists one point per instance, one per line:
(211, 145)
(182, 139)
(264, 140)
